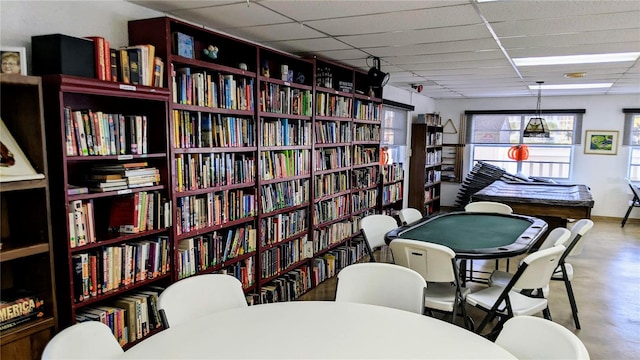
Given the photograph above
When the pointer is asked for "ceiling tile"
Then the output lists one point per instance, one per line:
(523, 10)
(172, 5)
(231, 16)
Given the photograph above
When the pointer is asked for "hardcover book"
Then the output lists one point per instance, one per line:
(183, 45)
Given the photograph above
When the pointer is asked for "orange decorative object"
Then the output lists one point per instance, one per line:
(384, 155)
(518, 152)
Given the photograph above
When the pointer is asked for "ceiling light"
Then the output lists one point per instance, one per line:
(572, 86)
(537, 126)
(575, 75)
(576, 59)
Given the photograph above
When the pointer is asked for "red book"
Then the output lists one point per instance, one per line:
(100, 59)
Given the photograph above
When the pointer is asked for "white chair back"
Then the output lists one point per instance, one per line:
(581, 227)
(432, 261)
(375, 227)
(201, 294)
(530, 337)
(540, 266)
(557, 236)
(409, 215)
(382, 284)
(85, 340)
(488, 207)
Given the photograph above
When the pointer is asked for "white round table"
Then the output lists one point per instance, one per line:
(316, 330)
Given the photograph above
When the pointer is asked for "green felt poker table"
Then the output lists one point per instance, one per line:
(476, 235)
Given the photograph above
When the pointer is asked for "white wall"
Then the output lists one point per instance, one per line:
(19, 20)
(604, 174)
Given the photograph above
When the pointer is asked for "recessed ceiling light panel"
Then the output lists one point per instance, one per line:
(576, 59)
(575, 75)
(571, 86)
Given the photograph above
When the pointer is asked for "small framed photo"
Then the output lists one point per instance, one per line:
(14, 60)
(603, 142)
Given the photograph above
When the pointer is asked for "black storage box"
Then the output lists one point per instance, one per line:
(62, 54)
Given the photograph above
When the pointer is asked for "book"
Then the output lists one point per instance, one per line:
(18, 306)
(102, 57)
(183, 45)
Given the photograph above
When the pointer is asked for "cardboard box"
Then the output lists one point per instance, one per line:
(62, 54)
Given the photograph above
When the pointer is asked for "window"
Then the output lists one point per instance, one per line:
(632, 138)
(394, 130)
(492, 134)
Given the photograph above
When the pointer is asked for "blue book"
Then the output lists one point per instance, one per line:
(183, 45)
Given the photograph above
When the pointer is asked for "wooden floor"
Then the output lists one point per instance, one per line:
(607, 288)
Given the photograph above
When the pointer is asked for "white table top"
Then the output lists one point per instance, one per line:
(318, 330)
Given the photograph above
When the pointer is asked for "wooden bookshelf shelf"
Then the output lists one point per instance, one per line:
(11, 254)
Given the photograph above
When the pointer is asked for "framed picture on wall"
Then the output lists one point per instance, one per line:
(14, 60)
(603, 142)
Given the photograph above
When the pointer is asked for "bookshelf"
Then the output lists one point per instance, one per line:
(425, 166)
(299, 155)
(26, 256)
(111, 207)
(392, 188)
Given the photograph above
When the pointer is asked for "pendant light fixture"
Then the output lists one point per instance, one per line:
(537, 125)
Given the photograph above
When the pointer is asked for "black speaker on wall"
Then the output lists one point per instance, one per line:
(377, 78)
(62, 54)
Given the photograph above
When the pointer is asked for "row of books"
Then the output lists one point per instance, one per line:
(430, 119)
(243, 271)
(366, 110)
(327, 236)
(434, 157)
(139, 212)
(195, 129)
(18, 306)
(115, 177)
(431, 193)
(197, 212)
(224, 91)
(284, 194)
(283, 226)
(366, 132)
(285, 132)
(433, 176)
(112, 267)
(287, 287)
(97, 133)
(434, 139)
(363, 154)
(331, 132)
(281, 164)
(332, 158)
(280, 99)
(364, 200)
(391, 193)
(197, 254)
(392, 172)
(331, 209)
(130, 317)
(136, 64)
(331, 183)
(202, 171)
(365, 177)
(333, 105)
(276, 259)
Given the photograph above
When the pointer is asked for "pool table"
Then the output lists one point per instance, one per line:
(555, 203)
(476, 235)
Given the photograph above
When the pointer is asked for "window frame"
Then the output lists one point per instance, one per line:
(632, 139)
(550, 167)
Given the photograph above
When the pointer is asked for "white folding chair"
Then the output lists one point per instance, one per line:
(84, 340)
(634, 202)
(374, 228)
(382, 284)
(437, 265)
(202, 294)
(488, 207)
(529, 337)
(564, 272)
(502, 301)
(557, 236)
(409, 215)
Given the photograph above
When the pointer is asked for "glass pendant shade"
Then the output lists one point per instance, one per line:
(537, 125)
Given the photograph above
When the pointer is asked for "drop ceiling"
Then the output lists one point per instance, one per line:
(453, 48)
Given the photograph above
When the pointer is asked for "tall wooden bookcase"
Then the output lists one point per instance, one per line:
(314, 156)
(425, 166)
(26, 255)
(90, 249)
